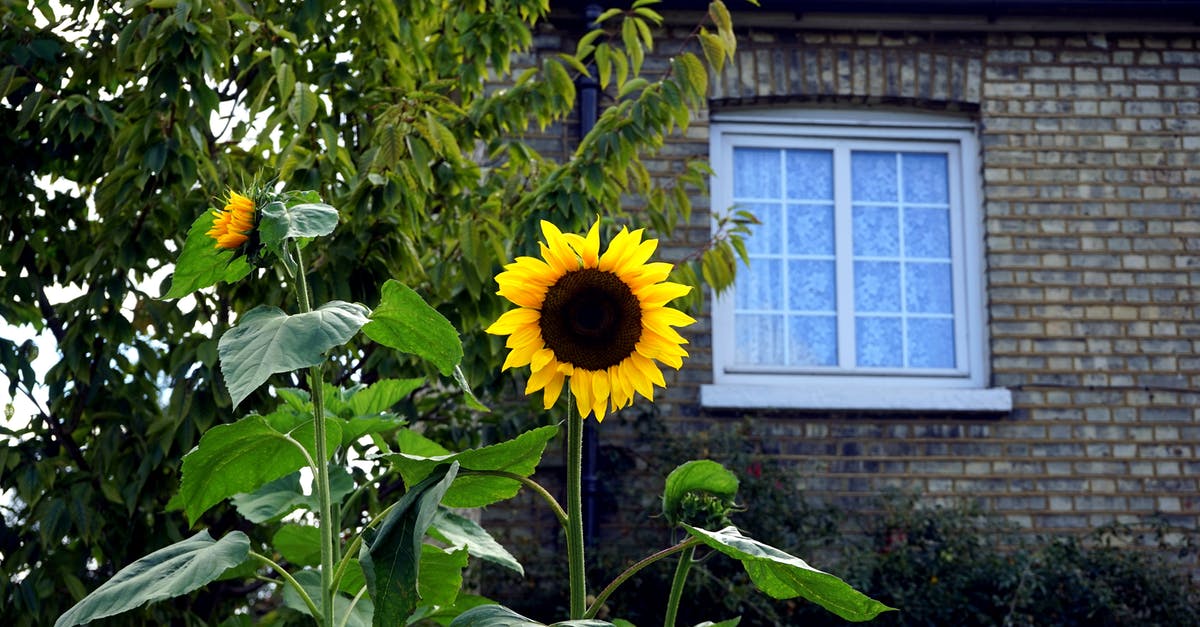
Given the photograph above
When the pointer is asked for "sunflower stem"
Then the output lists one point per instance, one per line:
(633, 570)
(681, 573)
(575, 561)
(321, 468)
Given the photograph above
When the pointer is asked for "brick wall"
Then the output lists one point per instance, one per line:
(1091, 185)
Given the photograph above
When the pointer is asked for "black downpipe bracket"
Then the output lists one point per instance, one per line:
(587, 92)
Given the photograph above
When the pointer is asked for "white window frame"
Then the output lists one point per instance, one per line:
(963, 388)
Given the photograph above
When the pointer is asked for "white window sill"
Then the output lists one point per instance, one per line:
(858, 397)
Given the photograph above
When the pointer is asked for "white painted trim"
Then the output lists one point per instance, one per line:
(962, 389)
(856, 397)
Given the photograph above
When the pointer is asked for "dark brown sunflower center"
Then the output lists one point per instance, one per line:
(591, 319)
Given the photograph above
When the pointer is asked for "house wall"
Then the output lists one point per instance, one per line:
(1091, 180)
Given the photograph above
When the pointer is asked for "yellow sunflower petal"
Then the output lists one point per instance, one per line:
(557, 251)
(512, 320)
(543, 359)
(649, 373)
(666, 333)
(581, 389)
(553, 388)
(528, 269)
(668, 316)
(659, 294)
(617, 249)
(641, 383)
(519, 356)
(525, 336)
(523, 296)
(600, 390)
(657, 347)
(647, 275)
(538, 380)
(636, 257)
(622, 386)
(588, 248)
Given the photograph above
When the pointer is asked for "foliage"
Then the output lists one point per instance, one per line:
(941, 565)
(121, 124)
(387, 573)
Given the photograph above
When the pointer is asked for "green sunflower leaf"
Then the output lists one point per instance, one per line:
(520, 456)
(278, 222)
(441, 574)
(456, 530)
(785, 576)
(171, 571)
(358, 616)
(201, 264)
(703, 476)
(500, 616)
(391, 557)
(442, 615)
(267, 340)
(245, 455)
(280, 497)
(298, 544)
(403, 321)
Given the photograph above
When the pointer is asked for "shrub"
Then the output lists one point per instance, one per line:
(939, 564)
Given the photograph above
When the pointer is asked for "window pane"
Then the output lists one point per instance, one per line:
(876, 286)
(927, 233)
(876, 231)
(812, 341)
(811, 286)
(810, 229)
(928, 288)
(760, 285)
(878, 342)
(765, 238)
(873, 176)
(931, 342)
(758, 339)
(756, 173)
(809, 174)
(925, 177)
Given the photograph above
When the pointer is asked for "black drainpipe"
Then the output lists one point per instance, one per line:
(588, 94)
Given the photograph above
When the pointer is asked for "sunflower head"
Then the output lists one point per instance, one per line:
(599, 321)
(233, 225)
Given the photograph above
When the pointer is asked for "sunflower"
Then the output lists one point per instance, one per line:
(598, 320)
(233, 224)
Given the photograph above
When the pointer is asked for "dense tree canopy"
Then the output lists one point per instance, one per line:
(146, 112)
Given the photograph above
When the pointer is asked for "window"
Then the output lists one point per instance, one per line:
(864, 284)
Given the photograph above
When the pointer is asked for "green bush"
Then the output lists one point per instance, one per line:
(939, 564)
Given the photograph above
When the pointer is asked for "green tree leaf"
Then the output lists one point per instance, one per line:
(784, 576)
(390, 558)
(457, 530)
(267, 340)
(202, 264)
(403, 321)
(168, 572)
(518, 456)
(704, 476)
(304, 106)
(244, 455)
